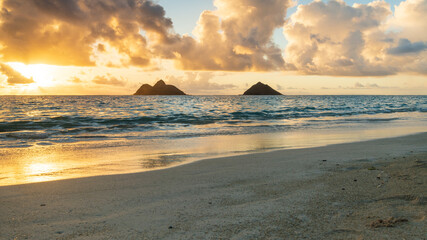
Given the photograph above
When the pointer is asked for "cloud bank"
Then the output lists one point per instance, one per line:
(324, 38)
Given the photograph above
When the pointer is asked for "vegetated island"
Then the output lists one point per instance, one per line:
(261, 89)
(160, 88)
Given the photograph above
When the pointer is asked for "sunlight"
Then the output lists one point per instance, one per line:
(41, 73)
(40, 168)
(40, 172)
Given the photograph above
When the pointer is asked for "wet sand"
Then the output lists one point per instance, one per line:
(366, 190)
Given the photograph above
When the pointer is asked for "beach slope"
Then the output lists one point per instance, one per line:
(370, 190)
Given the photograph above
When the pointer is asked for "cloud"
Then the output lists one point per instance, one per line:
(109, 80)
(237, 36)
(295, 88)
(115, 33)
(75, 80)
(14, 77)
(406, 47)
(323, 38)
(336, 39)
(358, 85)
(366, 86)
(410, 19)
(80, 32)
(198, 83)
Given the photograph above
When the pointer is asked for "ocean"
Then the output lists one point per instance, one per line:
(56, 137)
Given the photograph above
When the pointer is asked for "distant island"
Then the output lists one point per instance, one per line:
(160, 88)
(261, 89)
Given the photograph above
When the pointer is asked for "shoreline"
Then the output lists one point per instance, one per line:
(283, 193)
(77, 160)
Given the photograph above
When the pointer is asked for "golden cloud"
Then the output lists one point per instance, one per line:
(235, 37)
(13, 77)
(69, 32)
(323, 38)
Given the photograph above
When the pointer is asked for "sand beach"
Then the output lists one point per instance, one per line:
(364, 190)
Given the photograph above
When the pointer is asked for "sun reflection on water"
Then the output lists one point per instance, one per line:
(39, 171)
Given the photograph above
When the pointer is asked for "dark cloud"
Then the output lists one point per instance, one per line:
(407, 47)
(101, 47)
(64, 10)
(13, 77)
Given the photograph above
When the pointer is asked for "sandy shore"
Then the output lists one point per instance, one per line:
(367, 190)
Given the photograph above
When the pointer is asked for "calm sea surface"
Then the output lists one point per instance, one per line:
(69, 135)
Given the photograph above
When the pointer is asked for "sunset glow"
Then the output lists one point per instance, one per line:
(213, 119)
(42, 74)
(376, 47)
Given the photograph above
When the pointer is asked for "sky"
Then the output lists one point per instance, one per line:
(213, 47)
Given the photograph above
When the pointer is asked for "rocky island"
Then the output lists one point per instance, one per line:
(160, 88)
(261, 89)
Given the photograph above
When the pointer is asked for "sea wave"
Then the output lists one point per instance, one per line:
(82, 118)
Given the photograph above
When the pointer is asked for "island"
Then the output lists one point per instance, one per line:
(160, 88)
(261, 89)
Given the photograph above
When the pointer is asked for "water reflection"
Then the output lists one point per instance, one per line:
(92, 158)
(41, 172)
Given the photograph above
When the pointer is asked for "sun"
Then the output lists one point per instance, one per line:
(42, 74)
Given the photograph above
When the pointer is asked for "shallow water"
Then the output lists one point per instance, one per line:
(55, 137)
